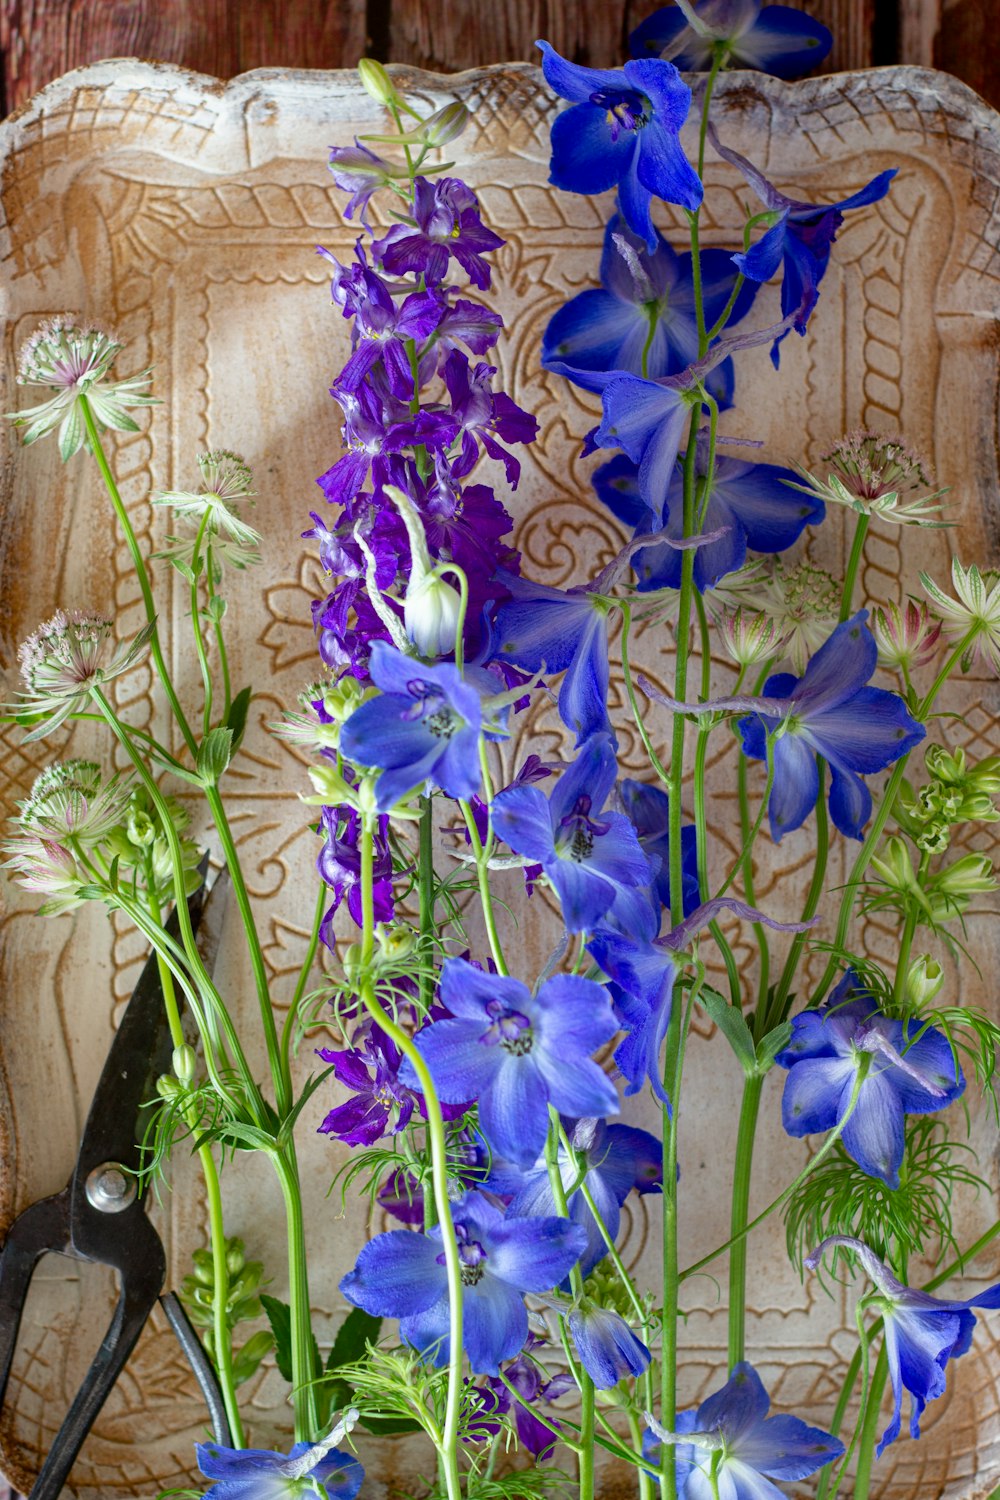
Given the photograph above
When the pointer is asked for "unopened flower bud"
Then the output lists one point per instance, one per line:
(395, 939)
(924, 980)
(749, 638)
(906, 638)
(376, 81)
(445, 125)
(969, 876)
(351, 961)
(168, 1087)
(183, 1063)
(432, 610)
(896, 868)
(140, 827)
(235, 1256)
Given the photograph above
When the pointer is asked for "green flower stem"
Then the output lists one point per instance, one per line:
(749, 836)
(199, 636)
(220, 637)
(303, 1369)
(637, 715)
(612, 1249)
(700, 811)
(777, 1012)
(906, 939)
(853, 564)
(280, 1076)
(425, 893)
(723, 317)
(864, 1064)
(156, 750)
(869, 1428)
(448, 1451)
(288, 1028)
(215, 1007)
(742, 1172)
(586, 1451)
(635, 1433)
(139, 564)
(485, 894)
(839, 1413)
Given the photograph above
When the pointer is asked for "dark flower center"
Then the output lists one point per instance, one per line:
(472, 1256)
(430, 705)
(627, 109)
(509, 1029)
(579, 829)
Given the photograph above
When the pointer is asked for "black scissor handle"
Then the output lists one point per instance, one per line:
(41, 1228)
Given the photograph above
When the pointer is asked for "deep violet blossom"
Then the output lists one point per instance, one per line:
(339, 864)
(830, 711)
(922, 1333)
(641, 321)
(755, 1448)
(445, 222)
(609, 1351)
(775, 39)
(799, 239)
(360, 172)
(622, 131)
(423, 727)
(402, 1275)
(912, 1071)
(588, 855)
(617, 1159)
(529, 1381)
(480, 413)
(382, 329)
(516, 1053)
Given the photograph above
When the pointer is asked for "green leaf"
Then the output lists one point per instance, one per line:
(236, 719)
(279, 1315)
(769, 1046)
(732, 1024)
(215, 608)
(358, 1330)
(389, 1426)
(214, 754)
(186, 775)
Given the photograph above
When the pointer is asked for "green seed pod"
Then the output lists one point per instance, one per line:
(376, 81)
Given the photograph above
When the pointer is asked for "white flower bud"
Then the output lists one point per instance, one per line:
(431, 613)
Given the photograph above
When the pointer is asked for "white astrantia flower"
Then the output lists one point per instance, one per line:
(65, 658)
(802, 602)
(974, 615)
(47, 867)
(226, 480)
(72, 357)
(72, 799)
(880, 476)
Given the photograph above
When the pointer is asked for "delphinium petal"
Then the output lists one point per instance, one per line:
(775, 39)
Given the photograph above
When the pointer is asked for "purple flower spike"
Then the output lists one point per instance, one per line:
(589, 856)
(609, 1351)
(358, 171)
(617, 1159)
(483, 415)
(830, 711)
(517, 1053)
(755, 1448)
(800, 238)
(339, 864)
(645, 306)
(775, 39)
(445, 223)
(912, 1071)
(423, 727)
(262, 1474)
(402, 1275)
(383, 329)
(622, 132)
(922, 1333)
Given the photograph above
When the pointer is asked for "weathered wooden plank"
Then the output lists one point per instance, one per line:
(966, 44)
(39, 39)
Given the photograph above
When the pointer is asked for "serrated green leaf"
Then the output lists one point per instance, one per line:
(732, 1024)
(236, 719)
(279, 1315)
(358, 1330)
(770, 1045)
(214, 754)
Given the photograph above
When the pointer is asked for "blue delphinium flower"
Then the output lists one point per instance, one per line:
(732, 1434)
(752, 505)
(912, 1071)
(516, 1053)
(799, 239)
(648, 809)
(423, 727)
(402, 1275)
(262, 1474)
(644, 311)
(922, 1333)
(561, 631)
(609, 1351)
(616, 1158)
(775, 39)
(830, 711)
(622, 132)
(588, 855)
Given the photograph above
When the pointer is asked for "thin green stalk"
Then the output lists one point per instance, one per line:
(303, 1366)
(612, 1249)
(586, 1453)
(869, 1429)
(139, 564)
(305, 969)
(199, 638)
(637, 716)
(448, 1450)
(220, 637)
(749, 890)
(839, 1413)
(775, 1013)
(700, 810)
(742, 1172)
(853, 564)
(425, 894)
(485, 894)
(635, 1433)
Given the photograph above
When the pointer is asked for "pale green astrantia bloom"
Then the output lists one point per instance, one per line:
(877, 476)
(974, 616)
(64, 659)
(71, 357)
(71, 799)
(226, 479)
(802, 603)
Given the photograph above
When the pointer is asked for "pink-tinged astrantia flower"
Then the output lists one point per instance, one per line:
(732, 1435)
(517, 1053)
(67, 657)
(422, 728)
(922, 1333)
(974, 615)
(830, 711)
(912, 1070)
(775, 39)
(799, 239)
(641, 321)
(589, 856)
(402, 1275)
(622, 132)
(445, 223)
(907, 635)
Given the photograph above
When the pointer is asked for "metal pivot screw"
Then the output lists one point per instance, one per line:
(110, 1188)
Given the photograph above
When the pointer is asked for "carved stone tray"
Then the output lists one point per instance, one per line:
(186, 214)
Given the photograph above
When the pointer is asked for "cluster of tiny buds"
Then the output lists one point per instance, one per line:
(870, 465)
(225, 475)
(66, 351)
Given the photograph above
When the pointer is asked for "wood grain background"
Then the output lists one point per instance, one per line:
(39, 39)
